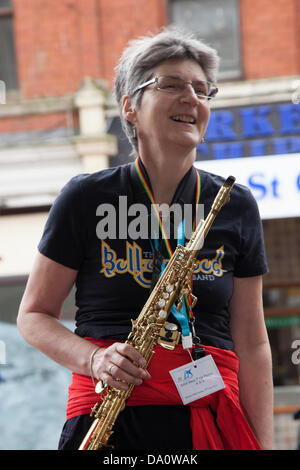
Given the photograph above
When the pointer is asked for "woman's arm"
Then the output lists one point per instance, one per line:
(251, 344)
(48, 286)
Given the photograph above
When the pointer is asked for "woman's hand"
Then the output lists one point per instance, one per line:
(120, 365)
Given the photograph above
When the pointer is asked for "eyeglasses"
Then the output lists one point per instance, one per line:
(169, 84)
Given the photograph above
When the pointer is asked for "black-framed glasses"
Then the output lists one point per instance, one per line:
(203, 90)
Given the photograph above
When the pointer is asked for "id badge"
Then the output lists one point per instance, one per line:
(197, 379)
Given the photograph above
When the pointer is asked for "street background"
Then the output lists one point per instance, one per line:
(58, 118)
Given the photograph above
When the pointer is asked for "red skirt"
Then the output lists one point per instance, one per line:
(229, 430)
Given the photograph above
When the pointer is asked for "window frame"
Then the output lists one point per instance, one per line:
(12, 92)
(223, 76)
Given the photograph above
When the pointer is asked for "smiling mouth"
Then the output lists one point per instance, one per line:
(184, 119)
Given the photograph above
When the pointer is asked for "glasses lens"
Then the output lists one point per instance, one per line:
(177, 85)
(201, 88)
(170, 84)
(213, 91)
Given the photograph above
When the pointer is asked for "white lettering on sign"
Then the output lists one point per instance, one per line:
(273, 180)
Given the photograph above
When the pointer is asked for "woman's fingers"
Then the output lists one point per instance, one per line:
(119, 365)
(114, 382)
(132, 365)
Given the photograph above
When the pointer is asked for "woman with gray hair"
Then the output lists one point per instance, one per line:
(144, 54)
(164, 84)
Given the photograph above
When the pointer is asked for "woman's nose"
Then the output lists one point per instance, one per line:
(189, 95)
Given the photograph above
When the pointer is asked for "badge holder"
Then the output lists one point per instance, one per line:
(198, 351)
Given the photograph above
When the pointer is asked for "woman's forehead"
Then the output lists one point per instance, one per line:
(187, 69)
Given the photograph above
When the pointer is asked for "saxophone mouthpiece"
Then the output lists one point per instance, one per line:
(230, 181)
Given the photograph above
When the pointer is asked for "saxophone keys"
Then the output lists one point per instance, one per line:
(100, 387)
(162, 314)
(169, 336)
(152, 319)
(161, 303)
(95, 409)
(169, 288)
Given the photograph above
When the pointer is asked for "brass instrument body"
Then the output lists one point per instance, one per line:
(173, 284)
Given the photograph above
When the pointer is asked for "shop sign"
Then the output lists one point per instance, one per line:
(252, 131)
(282, 322)
(273, 180)
(260, 146)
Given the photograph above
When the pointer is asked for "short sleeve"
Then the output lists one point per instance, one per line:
(252, 257)
(64, 235)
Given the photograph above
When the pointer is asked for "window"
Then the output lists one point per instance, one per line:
(8, 72)
(216, 23)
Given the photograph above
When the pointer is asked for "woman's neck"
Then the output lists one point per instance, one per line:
(165, 173)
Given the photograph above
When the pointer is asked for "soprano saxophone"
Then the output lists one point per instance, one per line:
(173, 284)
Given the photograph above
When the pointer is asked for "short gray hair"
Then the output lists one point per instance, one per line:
(143, 54)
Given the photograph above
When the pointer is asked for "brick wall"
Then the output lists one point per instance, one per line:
(297, 31)
(269, 38)
(58, 43)
(34, 122)
(123, 20)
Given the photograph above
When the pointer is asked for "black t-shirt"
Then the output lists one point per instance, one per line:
(114, 274)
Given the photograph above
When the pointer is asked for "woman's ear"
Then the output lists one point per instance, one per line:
(128, 110)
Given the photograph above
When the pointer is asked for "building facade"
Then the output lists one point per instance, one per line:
(59, 118)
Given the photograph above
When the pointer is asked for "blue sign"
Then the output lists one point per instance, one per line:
(252, 131)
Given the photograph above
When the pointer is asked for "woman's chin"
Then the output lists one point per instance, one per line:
(186, 140)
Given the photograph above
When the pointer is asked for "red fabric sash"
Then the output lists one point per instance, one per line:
(230, 429)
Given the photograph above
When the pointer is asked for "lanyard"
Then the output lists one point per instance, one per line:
(185, 313)
(151, 197)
